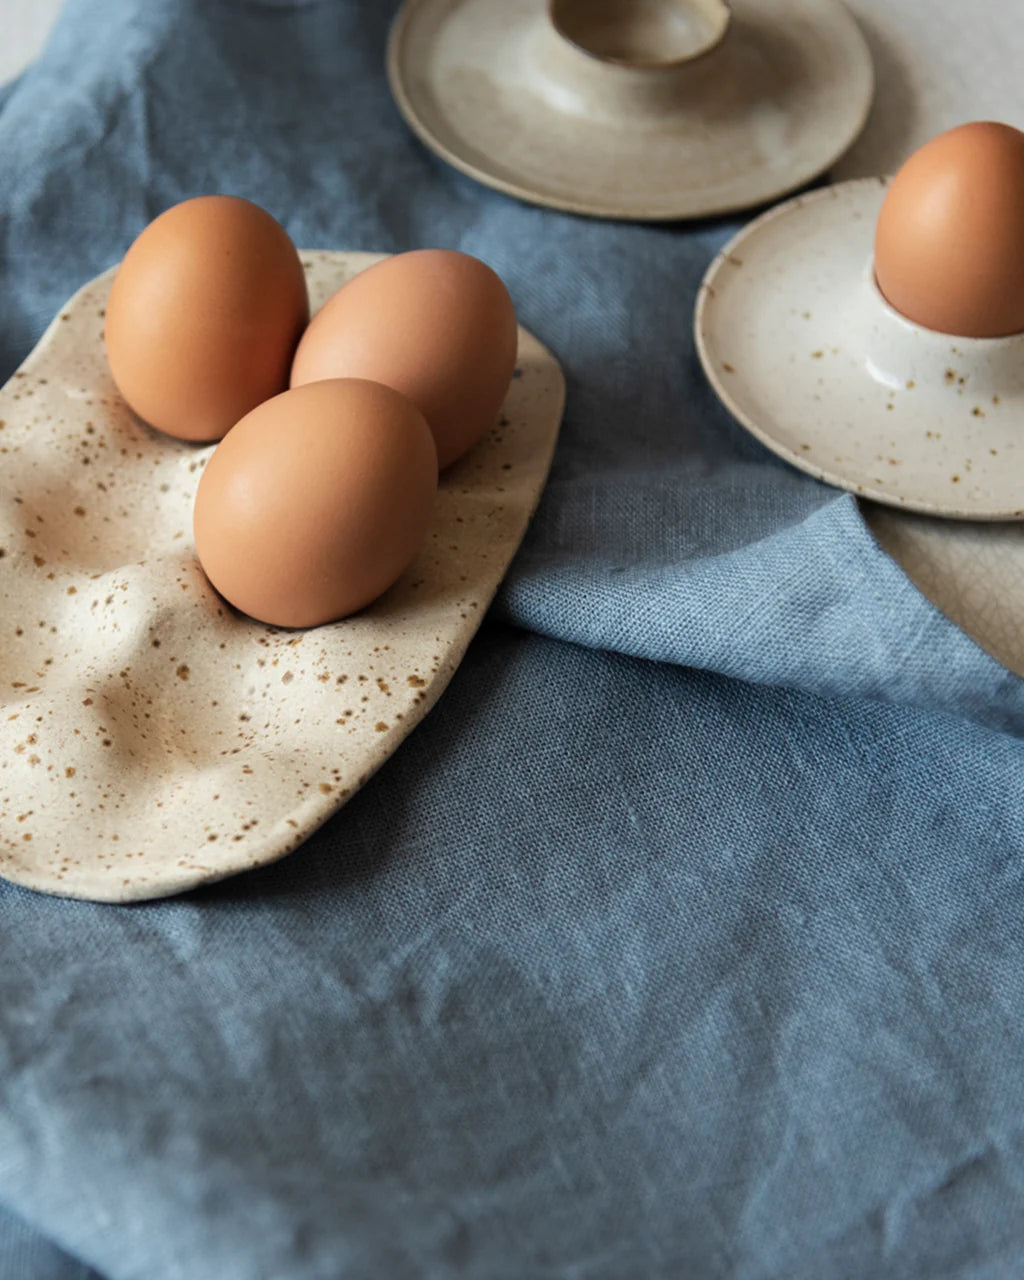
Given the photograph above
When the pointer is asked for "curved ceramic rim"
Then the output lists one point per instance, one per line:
(705, 299)
(653, 64)
(610, 209)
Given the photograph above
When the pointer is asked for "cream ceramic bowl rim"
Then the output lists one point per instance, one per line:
(610, 209)
(971, 348)
(641, 65)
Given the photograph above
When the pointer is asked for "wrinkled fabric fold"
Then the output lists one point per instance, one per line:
(26, 1253)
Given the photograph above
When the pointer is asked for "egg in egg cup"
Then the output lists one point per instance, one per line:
(808, 353)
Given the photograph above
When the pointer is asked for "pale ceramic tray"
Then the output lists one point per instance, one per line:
(643, 109)
(806, 354)
(152, 739)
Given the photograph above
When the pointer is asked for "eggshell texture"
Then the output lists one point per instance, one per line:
(204, 316)
(949, 243)
(314, 504)
(435, 324)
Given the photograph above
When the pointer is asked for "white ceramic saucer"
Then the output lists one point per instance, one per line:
(643, 109)
(804, 351)
(152, 739)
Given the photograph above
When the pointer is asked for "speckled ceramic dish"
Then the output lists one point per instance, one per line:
(645, 109)
(805, 352)
(152, 739)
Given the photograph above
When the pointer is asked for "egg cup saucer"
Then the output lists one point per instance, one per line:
(649, 110)
(807, 355)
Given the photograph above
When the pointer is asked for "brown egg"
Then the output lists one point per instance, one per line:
(314, 504)
(437, 325)
(949, 244)
(204, 316)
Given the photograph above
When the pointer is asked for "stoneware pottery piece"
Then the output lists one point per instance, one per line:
(644, 109)
(804, 351)
(151, 738)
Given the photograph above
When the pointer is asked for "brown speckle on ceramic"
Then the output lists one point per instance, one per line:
(858, 384)
(498, 92)
(151, 738)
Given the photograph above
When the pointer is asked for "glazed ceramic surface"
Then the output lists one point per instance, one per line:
(807, 355)
(740, 117)
(152, 739)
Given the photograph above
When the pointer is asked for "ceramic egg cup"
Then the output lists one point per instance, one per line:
(151, 738)
(804, 351)
(642, 109)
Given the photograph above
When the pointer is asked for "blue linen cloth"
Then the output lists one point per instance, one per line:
(681, 940)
